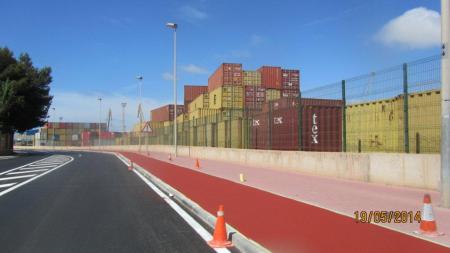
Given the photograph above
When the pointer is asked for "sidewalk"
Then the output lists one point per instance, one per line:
(339, 196)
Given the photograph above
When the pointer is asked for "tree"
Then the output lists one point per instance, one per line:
(24, 96)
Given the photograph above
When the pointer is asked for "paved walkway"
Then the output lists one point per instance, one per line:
(337, 195)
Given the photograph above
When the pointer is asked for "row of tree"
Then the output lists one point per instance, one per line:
(24, 96)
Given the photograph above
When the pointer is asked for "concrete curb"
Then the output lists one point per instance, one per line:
(240, 241)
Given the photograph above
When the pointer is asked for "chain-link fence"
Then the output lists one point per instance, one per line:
(392, 110)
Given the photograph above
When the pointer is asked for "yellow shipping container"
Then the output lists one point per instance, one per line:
(226, 97)
(182, 117)
(200, 102)
(252, 78)
(229, 134)
(138, 126)
(167, 123)
(379, 125)
(375, 126)
(425, 122)
(203, 113)
(272, 94)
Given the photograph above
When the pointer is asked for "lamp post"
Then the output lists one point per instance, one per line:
(60, 120)
(123, 122)
(445, 103)
(100, 123)
(53, 126)
(139, 78)
(174, 27)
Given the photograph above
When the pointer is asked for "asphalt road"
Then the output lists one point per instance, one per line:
(91, 204)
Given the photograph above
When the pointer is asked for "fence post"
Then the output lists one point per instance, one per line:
(299, 123)
(270, 126)
(405, 107)
(344, 119)
(417, 143)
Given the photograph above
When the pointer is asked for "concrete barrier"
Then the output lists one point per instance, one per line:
(410, 170)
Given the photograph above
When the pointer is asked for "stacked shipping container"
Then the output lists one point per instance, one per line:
(228, 74)
(255, 96)
(227, 97)
(67, 133)
(290, 83)
(191, 92)
(270, 77)
(252, 78)
(165, 113)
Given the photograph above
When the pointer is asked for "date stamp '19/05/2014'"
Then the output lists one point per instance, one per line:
(387, 216)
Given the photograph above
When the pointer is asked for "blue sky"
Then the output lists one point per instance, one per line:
(96, 48)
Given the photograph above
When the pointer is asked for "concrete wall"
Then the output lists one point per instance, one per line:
(410, 170)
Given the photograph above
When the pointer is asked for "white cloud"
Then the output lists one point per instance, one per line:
(192, 14)
(194, 69)
(85, 107)
(167, 76)
(416, 28)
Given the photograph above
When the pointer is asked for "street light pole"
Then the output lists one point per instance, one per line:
(445, 103)
(53, 126)
(123, 122)
(60, 120)
(139, 78)
(100, 124)
(174, 27)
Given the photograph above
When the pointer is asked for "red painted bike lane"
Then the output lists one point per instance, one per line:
(281, 224)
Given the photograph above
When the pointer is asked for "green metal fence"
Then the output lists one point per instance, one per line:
(392, 110)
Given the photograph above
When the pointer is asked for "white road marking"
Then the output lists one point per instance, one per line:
(7, 185)
(4, 172)
(193, 223)
(37, 167)
(17, 177)
(24, 172)
(70, 159)
(45, 164)
(6, 157)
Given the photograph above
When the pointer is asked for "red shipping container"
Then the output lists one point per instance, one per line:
(270, 77)
(191, 92)
(282, 103)
(165, 113)
(228, 74)
(321, 125)
(290, 93)
(259, 134)
(85, 138)
(285, 129)
(290, 79)
(255, 96)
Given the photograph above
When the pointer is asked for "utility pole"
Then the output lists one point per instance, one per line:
(174, 27)
(445, 103)
(53, 126)
(60, 120)
(140, 116)
(123, 122)
(123, 117)
(100, 124)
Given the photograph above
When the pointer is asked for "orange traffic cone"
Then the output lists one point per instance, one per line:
(197, 163)
(220, 232)
(428, 225)
(130, 167)
(170, 157)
